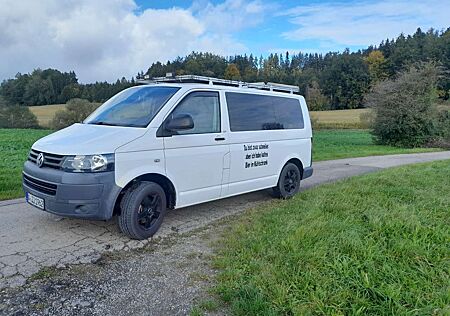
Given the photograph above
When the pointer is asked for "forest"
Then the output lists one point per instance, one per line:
(335, 80)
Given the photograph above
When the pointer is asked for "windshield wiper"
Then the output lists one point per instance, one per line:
(114, 124)
(104, 123)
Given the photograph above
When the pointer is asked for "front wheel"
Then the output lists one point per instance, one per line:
(289, 182)
(143, 208)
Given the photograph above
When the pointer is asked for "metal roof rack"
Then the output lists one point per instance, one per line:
(269, 86)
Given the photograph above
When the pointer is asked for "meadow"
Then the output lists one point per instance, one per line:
(369, 245)
(339, 119)
(45, 113)
(328, 144)
(348, 119)
(14, 147)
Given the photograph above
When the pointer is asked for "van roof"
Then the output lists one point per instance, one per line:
(222, 84)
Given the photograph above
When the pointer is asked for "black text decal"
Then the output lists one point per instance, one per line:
(256, 155)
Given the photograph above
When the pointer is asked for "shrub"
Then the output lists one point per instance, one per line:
(76, 111)
(442, 138)
(404, 108)
(366, 119)
(315, 99)
(443, 124)
(16, 116)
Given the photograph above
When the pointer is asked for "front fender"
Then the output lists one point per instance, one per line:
(130, 165)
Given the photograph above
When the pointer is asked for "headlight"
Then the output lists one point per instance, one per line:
(89, 163)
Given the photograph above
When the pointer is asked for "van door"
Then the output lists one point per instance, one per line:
(195, 157)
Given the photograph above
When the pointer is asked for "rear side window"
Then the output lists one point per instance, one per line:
(253, 112)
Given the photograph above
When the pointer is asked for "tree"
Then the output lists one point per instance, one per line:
(315, 99)
(377, 66)
(76, 111)
(16, 116)
(232, 72)
(405, 112)
(345, 79)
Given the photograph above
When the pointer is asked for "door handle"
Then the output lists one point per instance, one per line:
(218, 139)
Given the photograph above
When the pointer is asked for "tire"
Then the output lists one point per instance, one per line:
(288, 183)
(143, 208)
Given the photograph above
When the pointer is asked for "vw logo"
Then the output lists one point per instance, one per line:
(40, 160)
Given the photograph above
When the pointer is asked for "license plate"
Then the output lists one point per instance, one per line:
(35, 201)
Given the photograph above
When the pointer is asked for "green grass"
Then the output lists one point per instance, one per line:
(14, 147)
(328, 144)
(372, 245)
(335, 144)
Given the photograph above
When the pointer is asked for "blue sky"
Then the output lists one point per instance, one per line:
(107, 39)
(283, 21)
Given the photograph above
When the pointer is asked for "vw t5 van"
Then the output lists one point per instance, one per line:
(171, 143)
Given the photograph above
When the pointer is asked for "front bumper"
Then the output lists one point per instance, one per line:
(80, 195)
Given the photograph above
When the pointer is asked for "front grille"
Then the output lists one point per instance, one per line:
(50, 160)
(40, 185)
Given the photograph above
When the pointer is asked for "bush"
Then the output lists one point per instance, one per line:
(366, 119)
(442, 139)
(76, 111)
(315, 99)
(16, 116)
(404, 108)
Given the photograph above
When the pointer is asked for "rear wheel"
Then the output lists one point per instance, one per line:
(289, 182)
(143, 208)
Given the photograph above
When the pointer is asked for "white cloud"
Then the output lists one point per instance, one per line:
(108, 39)
(364, 23)
(231, 15)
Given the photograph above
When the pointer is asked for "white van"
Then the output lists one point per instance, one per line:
(174, 142)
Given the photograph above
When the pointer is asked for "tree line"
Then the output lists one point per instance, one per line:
(51, 86)
(328, 81)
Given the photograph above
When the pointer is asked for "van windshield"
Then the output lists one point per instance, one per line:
(133, 107)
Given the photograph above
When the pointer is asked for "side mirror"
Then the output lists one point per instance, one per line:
(180, 122)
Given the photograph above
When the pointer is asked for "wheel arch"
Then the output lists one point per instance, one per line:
(160, 179)
(294, 160)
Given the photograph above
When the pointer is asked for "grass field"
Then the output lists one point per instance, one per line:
(335, 144)
(325, 119)
(14, 147)
(328, 144)
(371, 245)
(338, 119)
(45, 113)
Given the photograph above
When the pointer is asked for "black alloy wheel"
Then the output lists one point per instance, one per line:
(143, 208)
(288, 182)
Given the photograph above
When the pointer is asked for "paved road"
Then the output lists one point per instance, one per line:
(30, 239)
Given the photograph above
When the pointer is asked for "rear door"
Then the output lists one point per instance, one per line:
(195, 158)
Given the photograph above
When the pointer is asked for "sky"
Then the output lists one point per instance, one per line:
(108, 39)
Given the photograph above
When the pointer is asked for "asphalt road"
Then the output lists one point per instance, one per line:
(30, 239)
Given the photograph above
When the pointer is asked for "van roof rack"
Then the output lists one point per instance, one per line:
(269, 86)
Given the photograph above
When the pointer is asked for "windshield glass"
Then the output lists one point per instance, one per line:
(134, 107)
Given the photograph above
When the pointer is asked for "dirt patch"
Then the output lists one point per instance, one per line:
(169, 278)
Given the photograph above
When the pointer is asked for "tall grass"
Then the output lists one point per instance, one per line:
(372, 245)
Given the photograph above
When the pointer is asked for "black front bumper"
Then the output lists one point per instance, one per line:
(81, 195)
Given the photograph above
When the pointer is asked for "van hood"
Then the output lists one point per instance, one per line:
(87, 139)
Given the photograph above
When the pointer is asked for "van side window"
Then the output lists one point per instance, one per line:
(253, 112)
(204, 108)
